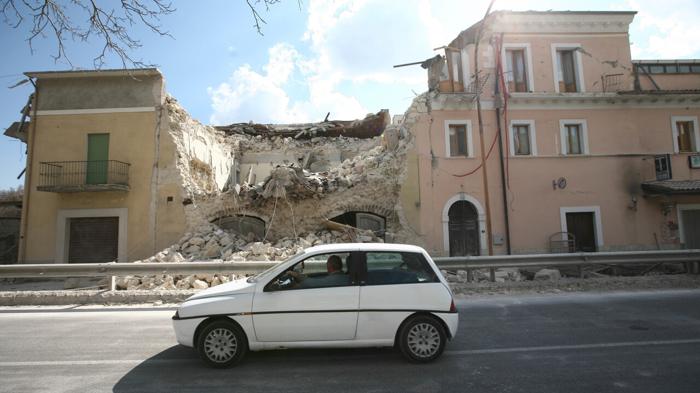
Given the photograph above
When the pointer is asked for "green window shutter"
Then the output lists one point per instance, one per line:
(97, 157)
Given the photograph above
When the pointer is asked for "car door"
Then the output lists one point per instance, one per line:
(396, 284)
(320, 307)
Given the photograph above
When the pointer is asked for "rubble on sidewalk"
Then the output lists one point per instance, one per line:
(213, 243)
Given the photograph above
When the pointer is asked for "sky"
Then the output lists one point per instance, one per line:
(314, 57)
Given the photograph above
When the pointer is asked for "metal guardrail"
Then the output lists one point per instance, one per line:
(451, 263)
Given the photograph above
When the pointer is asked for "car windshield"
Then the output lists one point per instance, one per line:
(264, 273)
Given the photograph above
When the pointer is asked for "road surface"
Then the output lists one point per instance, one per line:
(631, 342)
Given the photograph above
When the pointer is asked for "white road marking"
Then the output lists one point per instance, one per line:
(130, 362)
(448, 353)
(564, 347)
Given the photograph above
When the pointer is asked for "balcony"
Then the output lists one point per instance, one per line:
(79, 176)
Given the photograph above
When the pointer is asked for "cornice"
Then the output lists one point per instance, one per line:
(561, 23)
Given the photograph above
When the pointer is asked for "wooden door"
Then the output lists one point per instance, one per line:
(582, 225)
(463, 229)
(97, 156)
(691, 228)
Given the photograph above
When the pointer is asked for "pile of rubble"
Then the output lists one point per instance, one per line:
(502, 275)
(293, 182)
(210, 243)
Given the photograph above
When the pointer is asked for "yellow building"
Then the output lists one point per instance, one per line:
(93, 190)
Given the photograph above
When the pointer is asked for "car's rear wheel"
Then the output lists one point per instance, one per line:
(422, 339)
(222, 344)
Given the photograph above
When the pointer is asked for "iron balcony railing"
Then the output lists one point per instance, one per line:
(72, 176)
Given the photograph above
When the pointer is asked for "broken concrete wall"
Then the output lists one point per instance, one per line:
(203, 155)
(299, 184)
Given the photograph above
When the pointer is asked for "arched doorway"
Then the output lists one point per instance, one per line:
(463, 229)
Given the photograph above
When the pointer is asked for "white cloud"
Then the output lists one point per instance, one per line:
(343, 63)
(665, 30)
(248, 95)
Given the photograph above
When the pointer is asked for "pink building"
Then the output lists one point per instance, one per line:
(596, 151)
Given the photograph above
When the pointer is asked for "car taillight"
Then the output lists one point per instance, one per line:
(453, 308)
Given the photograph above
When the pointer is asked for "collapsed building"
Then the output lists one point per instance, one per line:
(117, 170)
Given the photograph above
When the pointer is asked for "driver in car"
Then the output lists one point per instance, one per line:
(334, 267)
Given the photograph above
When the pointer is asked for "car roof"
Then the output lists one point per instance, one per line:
(339, 247)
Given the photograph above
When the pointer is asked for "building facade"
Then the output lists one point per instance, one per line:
(94, 157)
(586, 149)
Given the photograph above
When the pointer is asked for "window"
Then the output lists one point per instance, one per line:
(318, 271)
(458, 138)
(662, 166)
(568, 75)
(567, 71)
(574, 137)
(675, 68)
(685, 134)
(389, 268)
(516, 71)
(522, 138)
(684, 131)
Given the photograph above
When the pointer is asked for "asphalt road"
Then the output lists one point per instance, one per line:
(634, 342)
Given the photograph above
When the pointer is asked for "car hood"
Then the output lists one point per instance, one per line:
(235, 287)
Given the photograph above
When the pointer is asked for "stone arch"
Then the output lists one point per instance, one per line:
(242, 223)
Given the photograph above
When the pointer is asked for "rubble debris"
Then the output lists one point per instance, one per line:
(213, 243)
(371, 126)
(291, 178)
(548, 274)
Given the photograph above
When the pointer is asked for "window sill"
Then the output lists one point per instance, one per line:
(459, 158)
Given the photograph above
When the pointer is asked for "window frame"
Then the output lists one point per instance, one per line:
(525, 47)
(268, 285)
(584, 136)
(470, 144)
(532, 137)
(695, 134)
(421, 258)
(578, 65)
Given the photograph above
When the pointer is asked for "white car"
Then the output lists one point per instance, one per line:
(330, 296)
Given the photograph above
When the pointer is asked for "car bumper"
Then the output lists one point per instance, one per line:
(452, 322)
(185, 328)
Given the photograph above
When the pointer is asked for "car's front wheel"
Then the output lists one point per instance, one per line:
(422, 339)
(222, 344)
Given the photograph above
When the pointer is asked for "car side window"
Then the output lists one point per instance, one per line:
(318, 271)
(388, 268)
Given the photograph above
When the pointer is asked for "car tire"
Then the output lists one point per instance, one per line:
(422, 339)
(222, 344)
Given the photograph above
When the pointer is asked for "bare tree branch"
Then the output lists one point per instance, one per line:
(257, 19)
(111, 25)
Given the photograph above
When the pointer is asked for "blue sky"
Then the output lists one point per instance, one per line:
(327, 56)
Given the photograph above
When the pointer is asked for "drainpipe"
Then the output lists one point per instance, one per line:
(503, 173)
(481, 132)
(31, 132)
